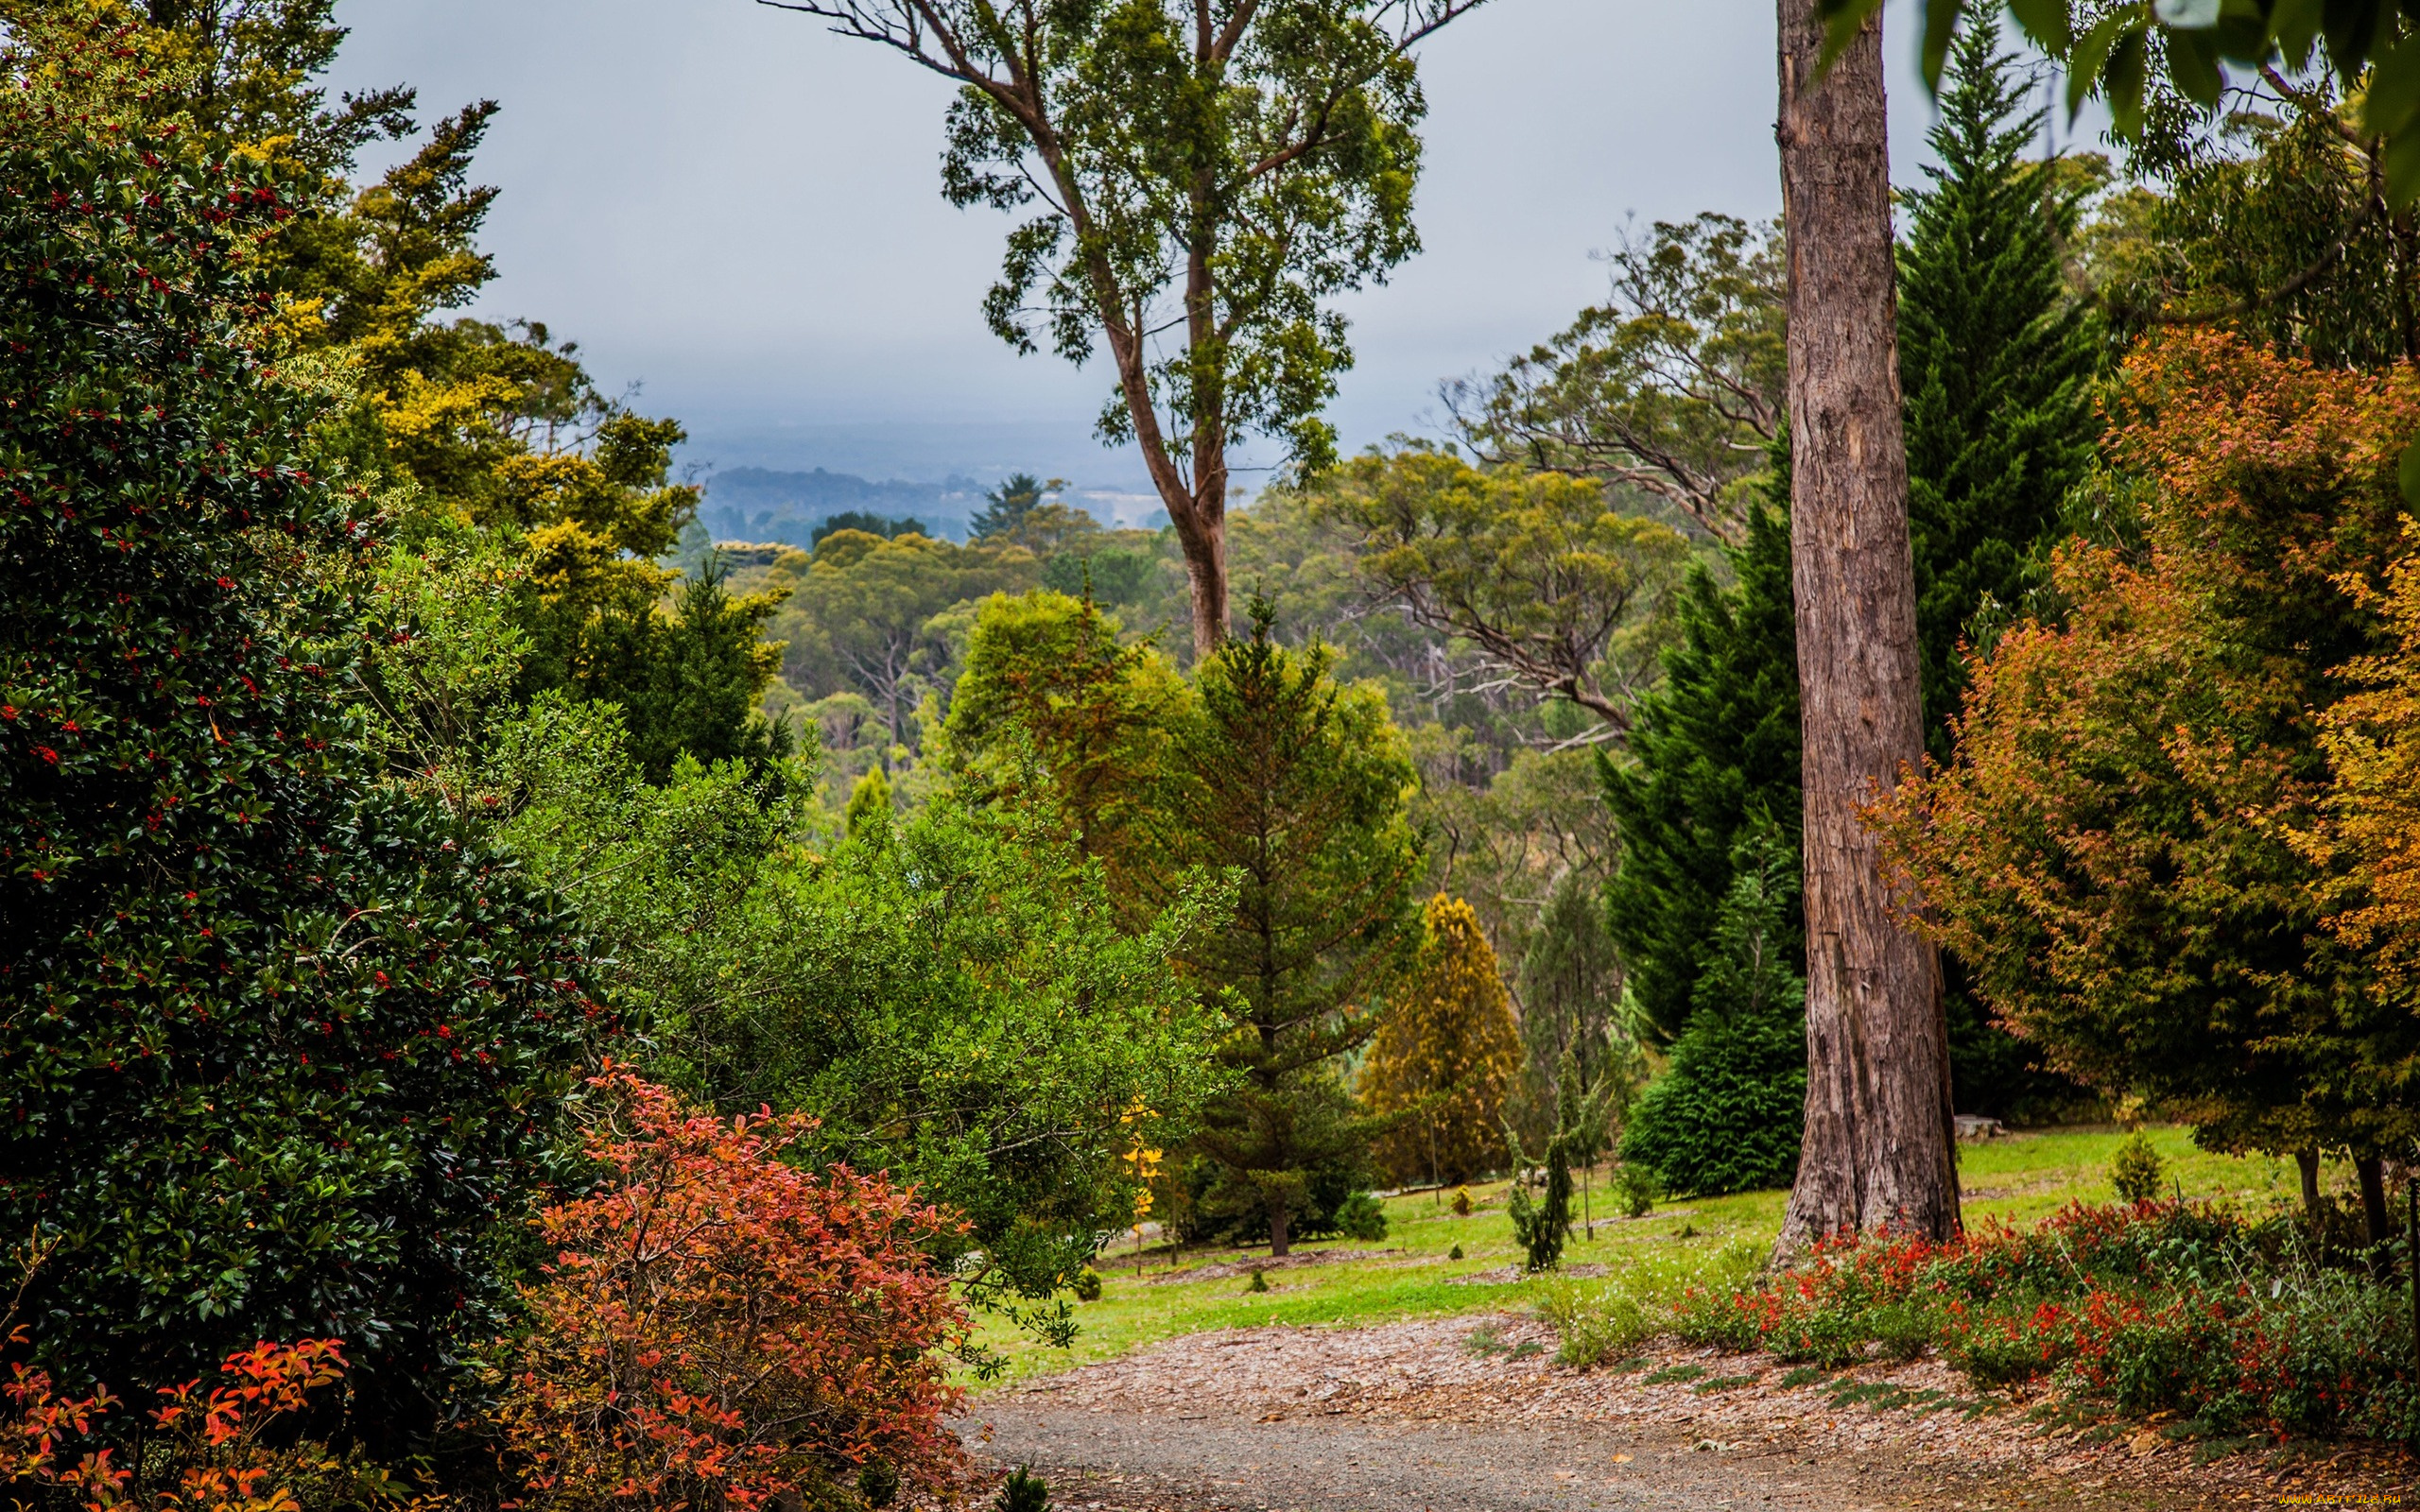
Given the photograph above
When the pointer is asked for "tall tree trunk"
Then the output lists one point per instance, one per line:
(2306, 1162)
(1279, 1244)
(1879, 1149)
(1205, 541)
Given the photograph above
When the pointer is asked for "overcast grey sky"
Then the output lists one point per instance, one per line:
(739, 211)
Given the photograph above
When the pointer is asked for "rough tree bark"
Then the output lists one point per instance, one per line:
(1879, 1149)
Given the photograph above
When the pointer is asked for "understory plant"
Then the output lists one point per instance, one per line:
(719, 1328)
(2230, 1323)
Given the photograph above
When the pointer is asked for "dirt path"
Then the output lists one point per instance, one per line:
(1468, 1416)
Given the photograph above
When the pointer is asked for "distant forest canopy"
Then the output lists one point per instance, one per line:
(763, 505)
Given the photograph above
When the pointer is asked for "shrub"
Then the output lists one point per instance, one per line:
(1638, 1187)
(1361, 1218)
(282, 1040)
(1461, 1202)
(1727, 1114)
(2135, 1170)
(2153, 1307)
(719, 1328)
(1455, 1253)
(234, 1450)
(1087, 1285)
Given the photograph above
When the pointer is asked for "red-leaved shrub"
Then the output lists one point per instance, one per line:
(206, 1454)
(2152, 1306)
(719, 1328)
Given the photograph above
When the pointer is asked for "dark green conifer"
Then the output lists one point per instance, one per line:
(1996, 360)
(1713, 749)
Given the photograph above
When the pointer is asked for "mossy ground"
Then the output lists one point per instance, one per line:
(2020, 1179)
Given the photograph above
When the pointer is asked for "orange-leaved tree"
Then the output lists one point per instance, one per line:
(2120, 847)
(1445, 1055)
(720, 1329)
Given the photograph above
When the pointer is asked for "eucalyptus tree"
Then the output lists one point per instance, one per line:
(1197, 180)
(1878, 1150)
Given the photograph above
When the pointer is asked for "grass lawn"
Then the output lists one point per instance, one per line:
(2019, 1178)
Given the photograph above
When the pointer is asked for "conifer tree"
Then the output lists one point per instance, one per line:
(1712, 751)
(1296, 787)
(1445, 1057)
(1725, 1117)
(1996, 359)
(1572, 991)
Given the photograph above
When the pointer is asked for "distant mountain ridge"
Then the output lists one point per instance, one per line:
(755, 504)
(758, 504)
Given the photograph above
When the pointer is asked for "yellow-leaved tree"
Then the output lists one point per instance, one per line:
(1446, 1055)
(2373, 743)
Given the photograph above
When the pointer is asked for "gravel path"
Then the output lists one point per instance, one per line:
(1469, 1414)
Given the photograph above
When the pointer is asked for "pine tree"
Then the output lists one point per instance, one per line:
(1725, 1117)
(1445, 1057)
(1297, 786)
(1712, 751)
(1996, 359)
(1007, 505)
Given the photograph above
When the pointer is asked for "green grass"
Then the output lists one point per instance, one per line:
(2020, 1179)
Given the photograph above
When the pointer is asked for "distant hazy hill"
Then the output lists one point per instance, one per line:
(756, 504)
(760, 504)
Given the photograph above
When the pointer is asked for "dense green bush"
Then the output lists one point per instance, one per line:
(1361, 1218)
(1726, 1114)
(280, 1045)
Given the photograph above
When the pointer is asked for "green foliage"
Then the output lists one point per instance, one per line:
(950, 992)
(1673, 387)
(1713, 752)
(1295, 786)
(2135, 1170)
(1052, 712)
(1361, 1218)
(1260, 1281)
(1542, 1226)
(1996, 359)
(1007, 506)
(1558, 590)
(870, 804)
(284, 1042)
(1023, 1492)
(888, 527)
(1639, 1187)
(1726, 1114)
(1571, 1007)
(1086, 1285)
(866, 615)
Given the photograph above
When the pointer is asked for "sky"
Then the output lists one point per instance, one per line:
(737, 214)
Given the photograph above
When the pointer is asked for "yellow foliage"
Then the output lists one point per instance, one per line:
(1445, 1055)
(2373, 743)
